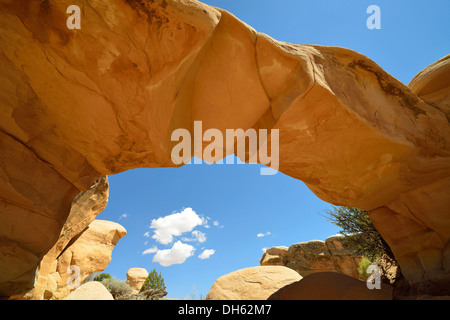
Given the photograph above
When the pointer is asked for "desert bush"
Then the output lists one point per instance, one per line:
(117, 287)
(362, 268)
(365, 240)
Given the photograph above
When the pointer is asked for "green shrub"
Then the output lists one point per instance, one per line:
(362, 268)
(116, 287)
(102, 276)
(153, 281)
(365, 240)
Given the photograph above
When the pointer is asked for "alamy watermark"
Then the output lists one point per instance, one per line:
(235, 141)
(374, 20)
(374, 280)
(74, 20)
(73, 282)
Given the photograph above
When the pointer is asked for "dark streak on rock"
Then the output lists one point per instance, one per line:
(388, 87)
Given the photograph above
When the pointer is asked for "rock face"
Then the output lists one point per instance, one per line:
(432, 85)
(136, 277)
(85, 207)
(92, 290)
(89, 250)
(276, 256)
(255, 283)
(332, 286)
(331, 255)
(78, 104)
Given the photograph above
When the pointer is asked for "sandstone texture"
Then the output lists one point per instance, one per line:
(254, 283)
(332, 286)
(51, 277)
(432, 85)
(79, 104)
(90, 251)
(136, 278)
(331, 255)
(276, 256)
(92, 290)
(85, 207)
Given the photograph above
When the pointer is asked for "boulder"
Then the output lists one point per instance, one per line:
(77, 105)
(332, 286)
(92, 290)
(136, 277)
(276, 256)
(254, 283)
(331, 255)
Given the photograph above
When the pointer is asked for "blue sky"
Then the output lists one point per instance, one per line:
(232, 209)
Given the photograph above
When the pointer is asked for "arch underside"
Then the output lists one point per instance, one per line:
(79, 104)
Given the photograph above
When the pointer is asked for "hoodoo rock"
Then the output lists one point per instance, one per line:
(136, 278)
(79, 104)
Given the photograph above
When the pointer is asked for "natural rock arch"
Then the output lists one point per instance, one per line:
(78, 104)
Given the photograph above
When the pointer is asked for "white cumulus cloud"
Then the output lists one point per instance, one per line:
(206, 254)
(176, 255)
(174, 225)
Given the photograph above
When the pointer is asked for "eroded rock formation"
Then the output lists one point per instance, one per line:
(254, 283)
(331, 255)
(78, 104)
(136, 278)
(90, 252)
(83, 242)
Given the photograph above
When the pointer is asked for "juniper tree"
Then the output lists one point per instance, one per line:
(153, 281)
(365, 240)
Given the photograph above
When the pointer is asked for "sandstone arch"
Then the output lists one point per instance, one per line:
(78, 104)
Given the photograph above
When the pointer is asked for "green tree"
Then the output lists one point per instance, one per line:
(360, 234)
(153, 281)
(102, 276)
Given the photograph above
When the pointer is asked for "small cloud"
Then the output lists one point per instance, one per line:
(217, 224)
(260, 235)
(147, 234)
(176, 255)
(206, 254)
(196, 236)
(264, 250)
(123, 216)
(174, 225)
(150, 250)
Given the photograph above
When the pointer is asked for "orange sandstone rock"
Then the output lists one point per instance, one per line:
(78, 104)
